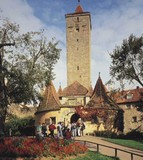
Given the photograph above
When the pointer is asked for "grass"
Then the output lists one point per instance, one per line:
(94, 156)
(90, 155)
(127, 143)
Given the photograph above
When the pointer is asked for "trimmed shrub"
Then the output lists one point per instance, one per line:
(107, 134)
(134, 135)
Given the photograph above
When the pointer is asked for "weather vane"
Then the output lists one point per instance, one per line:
(78, 1)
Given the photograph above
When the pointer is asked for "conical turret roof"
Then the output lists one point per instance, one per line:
(50, 100)
(100, 89)
(100, 99)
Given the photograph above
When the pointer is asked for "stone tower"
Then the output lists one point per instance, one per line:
(78, 30)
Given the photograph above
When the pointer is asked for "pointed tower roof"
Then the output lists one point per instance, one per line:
(100, 99)
(100, 89)
(60, 91)
(79, 9)
(50, 100)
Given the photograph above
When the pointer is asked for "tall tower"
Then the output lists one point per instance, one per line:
(78, 30)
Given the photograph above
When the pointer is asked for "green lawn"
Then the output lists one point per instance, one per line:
(127, 143)
(94, 156)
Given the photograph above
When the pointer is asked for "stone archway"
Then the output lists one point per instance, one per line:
(74, 118)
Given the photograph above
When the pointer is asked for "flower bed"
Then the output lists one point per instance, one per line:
(30, 147)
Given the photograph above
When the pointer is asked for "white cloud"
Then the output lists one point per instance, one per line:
(21, 13)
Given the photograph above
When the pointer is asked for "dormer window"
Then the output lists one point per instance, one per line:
(129, 96)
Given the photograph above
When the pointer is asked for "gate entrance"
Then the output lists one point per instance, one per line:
(74, 118)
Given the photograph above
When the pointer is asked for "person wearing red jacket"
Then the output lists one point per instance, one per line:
(51, 129)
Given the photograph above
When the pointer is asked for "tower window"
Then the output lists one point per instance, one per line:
(78, 19)
(134, 119)
(77, 40)
(77, 67)
(77, 29)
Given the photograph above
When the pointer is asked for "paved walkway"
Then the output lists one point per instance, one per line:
(109, 151)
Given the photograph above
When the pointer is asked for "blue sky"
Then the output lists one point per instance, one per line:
(112, 21)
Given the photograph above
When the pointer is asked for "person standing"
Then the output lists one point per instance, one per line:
(52, 127)
(39, 134)
(82, 128)
(73, 129)
(78, 126)
(44, 129)
(59, 130)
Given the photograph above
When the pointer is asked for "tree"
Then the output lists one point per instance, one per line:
(27, 67)
(32, 68)
(127, 60)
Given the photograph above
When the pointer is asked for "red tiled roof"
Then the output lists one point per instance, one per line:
(75, 89)
(50, 100)
(136, 95)
(79, 9)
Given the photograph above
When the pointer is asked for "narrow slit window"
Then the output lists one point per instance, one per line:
(77, 29)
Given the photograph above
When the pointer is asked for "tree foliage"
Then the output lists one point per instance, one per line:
(15, 123)
(25, 68)
(127, 60)
(29, 65)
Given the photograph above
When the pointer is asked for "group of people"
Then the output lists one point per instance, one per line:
(63, 131)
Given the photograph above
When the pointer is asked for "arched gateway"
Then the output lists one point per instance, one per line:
(74, 118)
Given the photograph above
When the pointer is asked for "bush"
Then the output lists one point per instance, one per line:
(134, 135)
(107, 134)
(15, 123)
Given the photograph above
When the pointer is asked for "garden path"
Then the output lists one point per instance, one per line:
(110, 151)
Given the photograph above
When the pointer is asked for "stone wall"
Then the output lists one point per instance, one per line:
(78, 30)
(133, 119)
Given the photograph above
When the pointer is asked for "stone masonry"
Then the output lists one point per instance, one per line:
(78, 28)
